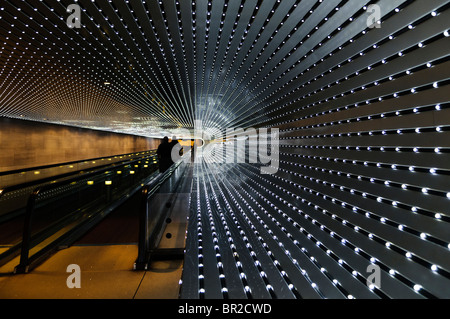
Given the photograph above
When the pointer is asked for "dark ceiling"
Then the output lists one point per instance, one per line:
(151, 67)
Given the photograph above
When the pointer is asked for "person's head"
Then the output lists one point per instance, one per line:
(165, 139)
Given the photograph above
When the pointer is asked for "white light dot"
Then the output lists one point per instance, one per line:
(417, 287)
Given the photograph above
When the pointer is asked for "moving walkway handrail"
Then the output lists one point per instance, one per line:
(12, 188)
(148, 192)
(29, 169)
(56, 178)
(31, 206)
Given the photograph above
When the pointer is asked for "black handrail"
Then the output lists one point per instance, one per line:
(55, 178)
(29, 169)
(59, 176)
(31, 206)
(147, 238)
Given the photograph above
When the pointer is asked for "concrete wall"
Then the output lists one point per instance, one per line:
(26, 144)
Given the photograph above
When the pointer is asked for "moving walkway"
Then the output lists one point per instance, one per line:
(39, 215)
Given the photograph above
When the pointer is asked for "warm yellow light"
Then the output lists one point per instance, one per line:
(90, 182)
(108, 182)
(132, 172)
(37, 173)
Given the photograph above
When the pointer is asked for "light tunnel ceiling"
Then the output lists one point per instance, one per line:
(150, 67)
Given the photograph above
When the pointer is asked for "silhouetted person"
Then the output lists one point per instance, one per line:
(193, 150)
(164, 155)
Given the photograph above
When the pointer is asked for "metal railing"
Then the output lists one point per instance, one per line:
(157, 197)
(59, 213)
(13, 197)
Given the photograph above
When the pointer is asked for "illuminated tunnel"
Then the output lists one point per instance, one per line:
(342, 189)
